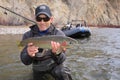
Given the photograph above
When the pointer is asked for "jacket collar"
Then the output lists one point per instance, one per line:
(35, 29)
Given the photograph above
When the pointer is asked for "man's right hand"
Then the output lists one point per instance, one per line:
(31, 49)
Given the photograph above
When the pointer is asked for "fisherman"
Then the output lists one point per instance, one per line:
(45, 61)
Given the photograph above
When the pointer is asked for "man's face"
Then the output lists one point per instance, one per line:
(43, 22)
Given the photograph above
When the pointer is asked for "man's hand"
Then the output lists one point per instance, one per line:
(56, 47)
(31, 49)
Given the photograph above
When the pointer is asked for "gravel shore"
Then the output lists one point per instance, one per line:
(13, 30)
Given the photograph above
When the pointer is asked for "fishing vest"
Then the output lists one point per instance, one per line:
(45, 63)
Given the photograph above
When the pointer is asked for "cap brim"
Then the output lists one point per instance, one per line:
(43, 13)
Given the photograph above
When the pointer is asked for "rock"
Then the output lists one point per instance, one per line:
(94, 12)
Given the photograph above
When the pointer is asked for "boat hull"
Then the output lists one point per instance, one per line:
(77, 32)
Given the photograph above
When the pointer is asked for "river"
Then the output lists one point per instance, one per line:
(96, 58)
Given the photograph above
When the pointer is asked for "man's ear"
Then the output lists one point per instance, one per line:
(52, 18)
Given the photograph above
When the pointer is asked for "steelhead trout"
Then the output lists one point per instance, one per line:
(45, 41)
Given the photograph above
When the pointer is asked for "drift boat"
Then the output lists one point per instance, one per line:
(76, 30)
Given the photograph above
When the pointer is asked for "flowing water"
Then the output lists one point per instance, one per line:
(95, 58)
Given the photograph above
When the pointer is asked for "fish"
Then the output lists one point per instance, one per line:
(45, 41)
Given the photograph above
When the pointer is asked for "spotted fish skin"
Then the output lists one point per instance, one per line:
(45, 41)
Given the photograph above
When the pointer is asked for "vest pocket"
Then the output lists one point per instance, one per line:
(45, 65)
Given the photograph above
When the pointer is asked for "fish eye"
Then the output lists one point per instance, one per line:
(70, 42)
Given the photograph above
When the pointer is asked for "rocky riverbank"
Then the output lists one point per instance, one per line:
(94, 12)
(13, 29)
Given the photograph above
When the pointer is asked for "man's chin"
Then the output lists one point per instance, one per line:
(43, 29)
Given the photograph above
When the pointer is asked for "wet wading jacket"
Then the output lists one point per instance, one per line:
(48, 60)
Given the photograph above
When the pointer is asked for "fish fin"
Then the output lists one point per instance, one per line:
(43, 52)
(63, 46)
(64, 43)
(18, 45)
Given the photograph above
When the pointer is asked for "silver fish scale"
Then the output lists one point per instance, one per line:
(55, 38)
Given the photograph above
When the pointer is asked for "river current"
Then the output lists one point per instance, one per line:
(95, 58)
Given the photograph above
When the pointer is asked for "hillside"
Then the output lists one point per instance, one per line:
(95, 12)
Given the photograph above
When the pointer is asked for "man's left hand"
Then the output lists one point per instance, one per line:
(56, 47)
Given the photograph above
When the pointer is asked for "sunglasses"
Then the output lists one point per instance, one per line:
(39, 19)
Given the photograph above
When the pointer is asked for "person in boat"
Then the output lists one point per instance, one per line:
(79, 25)
(50, 63)
(69, 25)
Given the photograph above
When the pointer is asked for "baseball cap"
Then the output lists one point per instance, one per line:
(43, 9)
